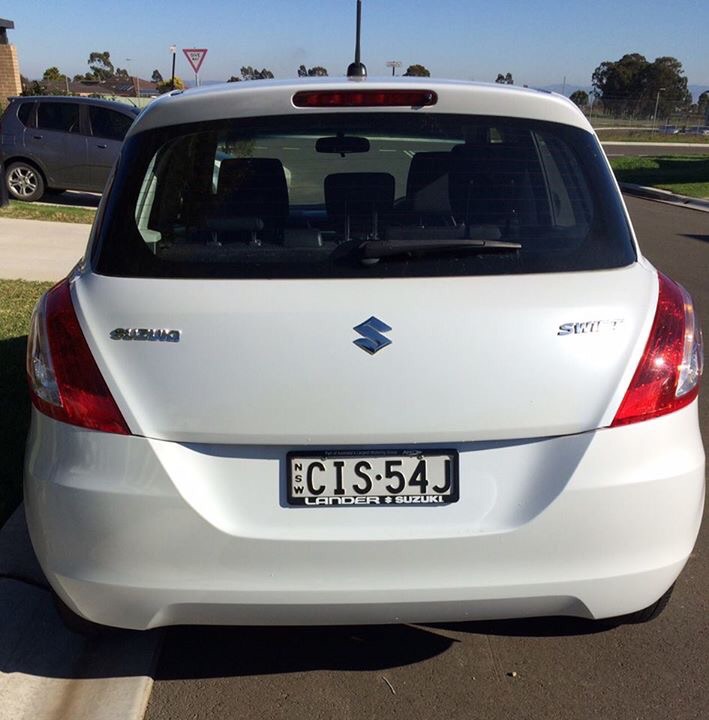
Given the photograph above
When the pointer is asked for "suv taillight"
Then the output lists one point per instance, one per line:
(670, 370)
(65, 382)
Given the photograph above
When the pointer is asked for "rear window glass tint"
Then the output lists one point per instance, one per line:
(297, 196)
(108, 124)
(62, 117)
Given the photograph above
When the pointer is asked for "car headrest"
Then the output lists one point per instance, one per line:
(485, 173)
(254, 186)
(359, 193)
(425, 169)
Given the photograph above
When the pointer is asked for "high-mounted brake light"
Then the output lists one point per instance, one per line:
(364, 98)
(670, 370)
(65, 382)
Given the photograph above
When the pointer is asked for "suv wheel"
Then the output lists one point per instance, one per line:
(24, 182)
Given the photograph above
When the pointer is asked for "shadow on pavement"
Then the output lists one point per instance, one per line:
(540, 627)
(704, 238)
(201, 652)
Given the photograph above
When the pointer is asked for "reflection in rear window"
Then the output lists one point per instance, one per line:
(300, 196)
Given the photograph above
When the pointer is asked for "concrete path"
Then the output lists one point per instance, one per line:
(39, 250)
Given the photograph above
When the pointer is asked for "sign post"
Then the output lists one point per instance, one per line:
(394, 65)
(195, 57)
(173, 52)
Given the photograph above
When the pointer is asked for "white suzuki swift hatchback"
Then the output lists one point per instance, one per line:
(363, 352)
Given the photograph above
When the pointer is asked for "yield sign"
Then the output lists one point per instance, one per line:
(195, 57)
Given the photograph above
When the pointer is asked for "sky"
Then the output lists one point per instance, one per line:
(540, 43)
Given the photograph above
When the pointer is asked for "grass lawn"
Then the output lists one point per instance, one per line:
(56, 213)
(17, 298)
(685, 175)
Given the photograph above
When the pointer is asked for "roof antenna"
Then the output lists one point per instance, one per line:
(357, 69)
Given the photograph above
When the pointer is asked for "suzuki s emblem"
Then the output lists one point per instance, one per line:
(372, 339)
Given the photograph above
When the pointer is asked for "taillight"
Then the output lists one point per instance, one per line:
(670, 370)
(365, 98)
(65, 382)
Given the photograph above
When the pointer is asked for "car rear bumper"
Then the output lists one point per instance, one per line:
(140, 533)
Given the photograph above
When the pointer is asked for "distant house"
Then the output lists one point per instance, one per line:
(115, 87)
(133, 87)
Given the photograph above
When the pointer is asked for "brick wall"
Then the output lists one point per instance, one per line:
(9, 73)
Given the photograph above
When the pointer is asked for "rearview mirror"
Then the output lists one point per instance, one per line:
(342, 144)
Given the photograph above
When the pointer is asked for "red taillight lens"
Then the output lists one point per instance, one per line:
(365, 98)
(65, 382)
(670, 370)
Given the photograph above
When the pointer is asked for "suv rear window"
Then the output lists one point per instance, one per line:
(301, 196)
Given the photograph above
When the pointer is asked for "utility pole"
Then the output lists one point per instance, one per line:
(657, 102)
(135, 81)
(173, 50)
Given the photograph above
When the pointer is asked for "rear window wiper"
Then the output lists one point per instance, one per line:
(374, 249)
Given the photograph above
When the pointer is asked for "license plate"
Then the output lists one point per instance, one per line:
(372, 478)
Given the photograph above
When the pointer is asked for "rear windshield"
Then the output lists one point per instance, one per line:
(361, 195)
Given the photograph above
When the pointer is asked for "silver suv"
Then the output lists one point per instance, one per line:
(52, 144)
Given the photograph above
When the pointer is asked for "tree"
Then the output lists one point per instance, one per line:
(34, 87)
(580, 98)
(619, 84)
(249, 73)
(504, 79)
(234, 78)
(317, 71)
(53, 73)
(417, 71)
(122, 73)
(666, 77)
(166, 85)
(703, 104)
(101, 66)
(633, 85)
(156, 77)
